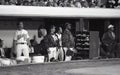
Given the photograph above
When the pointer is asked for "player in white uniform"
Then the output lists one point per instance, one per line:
(21, 41)
(60, 50)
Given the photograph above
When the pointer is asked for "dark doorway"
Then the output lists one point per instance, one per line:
(97, 25)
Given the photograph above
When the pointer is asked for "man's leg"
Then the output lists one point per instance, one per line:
(113, 50)
(2, 52)
(65, 50)
(26, 53)
(18, 50)
(55, 53)
(25, 50)
(50, 53)
(61, 54)
(118, 51)
(70, 56)
(67, 58)
(109, 51)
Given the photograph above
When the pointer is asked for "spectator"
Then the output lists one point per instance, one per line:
(55, 4)
(92, 5)
(102, 6)
(110, 4)
(13, 2)
(60, 4)
(71, 3)
(50, 4)
(41, 3)
(118, 2)
(1, 2)
(19, 2)
(27, 3)
(34, 3)
(78, 4)
(66, 3)
(45, 2)
(6, 3)
(84, 4)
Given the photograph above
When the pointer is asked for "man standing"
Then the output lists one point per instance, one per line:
(109, 42)
(60, 49)
(68, 42)
(51, 43)
(21, 41)
(2, 52)
(42, 49)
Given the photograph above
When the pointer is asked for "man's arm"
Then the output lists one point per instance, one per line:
(15, 40)
(27, 39)
(65, 40)
(28, 42)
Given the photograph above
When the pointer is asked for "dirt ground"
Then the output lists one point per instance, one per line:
(78, 67)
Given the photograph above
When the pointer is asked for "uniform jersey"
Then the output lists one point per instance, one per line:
(21, 36)
(59, 38)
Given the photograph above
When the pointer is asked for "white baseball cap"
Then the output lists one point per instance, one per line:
(110, 26)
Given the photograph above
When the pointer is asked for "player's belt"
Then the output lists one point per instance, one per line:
(21, 43)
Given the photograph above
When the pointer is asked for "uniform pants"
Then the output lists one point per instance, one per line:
(22, 48)
(2, 52)
(67, 58)
(52, 53)
(61, 54)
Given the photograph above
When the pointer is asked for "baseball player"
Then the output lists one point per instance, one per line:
(51, 44)
(60, 50)
(21, 41)
(2, 53)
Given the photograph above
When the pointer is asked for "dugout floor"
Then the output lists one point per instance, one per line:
(78, 67)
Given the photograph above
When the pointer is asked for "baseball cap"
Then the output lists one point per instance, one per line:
(110, 26)
(67, 23)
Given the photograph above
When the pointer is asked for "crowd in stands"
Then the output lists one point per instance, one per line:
(65, 3)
